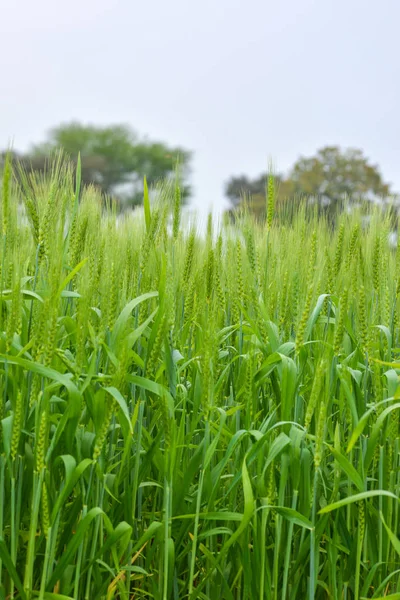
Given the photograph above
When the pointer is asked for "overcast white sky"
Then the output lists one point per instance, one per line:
(236, 82)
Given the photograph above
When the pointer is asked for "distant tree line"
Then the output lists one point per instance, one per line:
(113, 158)
(116, 160)
(332, 180)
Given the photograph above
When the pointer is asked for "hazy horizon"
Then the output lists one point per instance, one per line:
(238, 85)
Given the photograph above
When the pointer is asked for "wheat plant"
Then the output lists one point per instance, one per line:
(188, 415)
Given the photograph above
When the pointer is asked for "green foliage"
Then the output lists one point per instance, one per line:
(331, 179)
(334, 174)
(113, 158)
(195, 417)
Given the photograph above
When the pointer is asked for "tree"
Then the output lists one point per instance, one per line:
(113, 158)
(332, 175)
(330, 179)
(237, 187)
(244, 192)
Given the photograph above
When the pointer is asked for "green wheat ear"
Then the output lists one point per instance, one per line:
(17, 425)
(177, 210)
(271, 193)
(5, 195)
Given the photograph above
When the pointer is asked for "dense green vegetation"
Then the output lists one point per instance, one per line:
(195, 416)
(113, 158)
(336, 179)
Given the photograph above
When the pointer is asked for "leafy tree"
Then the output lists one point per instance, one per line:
(333, 175)
(330, 179)
(243, 191)
(237, 187)
(113, 158)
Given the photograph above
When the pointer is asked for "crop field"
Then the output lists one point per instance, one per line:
(195, 415)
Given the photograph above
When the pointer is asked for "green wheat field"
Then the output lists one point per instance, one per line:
(208, 415)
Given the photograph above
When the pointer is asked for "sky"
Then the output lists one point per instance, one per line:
(238, 83)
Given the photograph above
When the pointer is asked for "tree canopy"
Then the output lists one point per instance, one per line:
(329, 179)
(113, 158)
